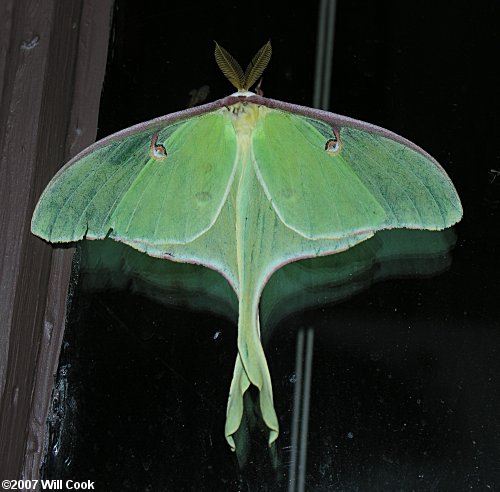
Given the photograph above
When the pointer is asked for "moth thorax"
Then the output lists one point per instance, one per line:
(244, 116)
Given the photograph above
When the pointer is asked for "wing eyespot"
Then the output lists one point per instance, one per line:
(203, 197)
(157, 151)
(334, 144)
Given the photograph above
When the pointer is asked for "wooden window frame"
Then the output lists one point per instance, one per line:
(52, 64)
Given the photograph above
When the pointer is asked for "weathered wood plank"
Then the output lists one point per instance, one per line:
(53, 57)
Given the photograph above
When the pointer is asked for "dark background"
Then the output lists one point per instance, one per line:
(406, 385)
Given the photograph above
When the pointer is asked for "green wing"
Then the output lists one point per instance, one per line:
(371, 182)
(122, 190)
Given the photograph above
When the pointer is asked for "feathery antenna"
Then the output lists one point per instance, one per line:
(233, 71)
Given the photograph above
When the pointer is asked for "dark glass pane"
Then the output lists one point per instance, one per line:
(405, 367)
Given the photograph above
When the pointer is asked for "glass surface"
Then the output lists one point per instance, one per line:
(403, 359)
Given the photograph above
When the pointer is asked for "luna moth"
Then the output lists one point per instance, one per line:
(245, 185)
